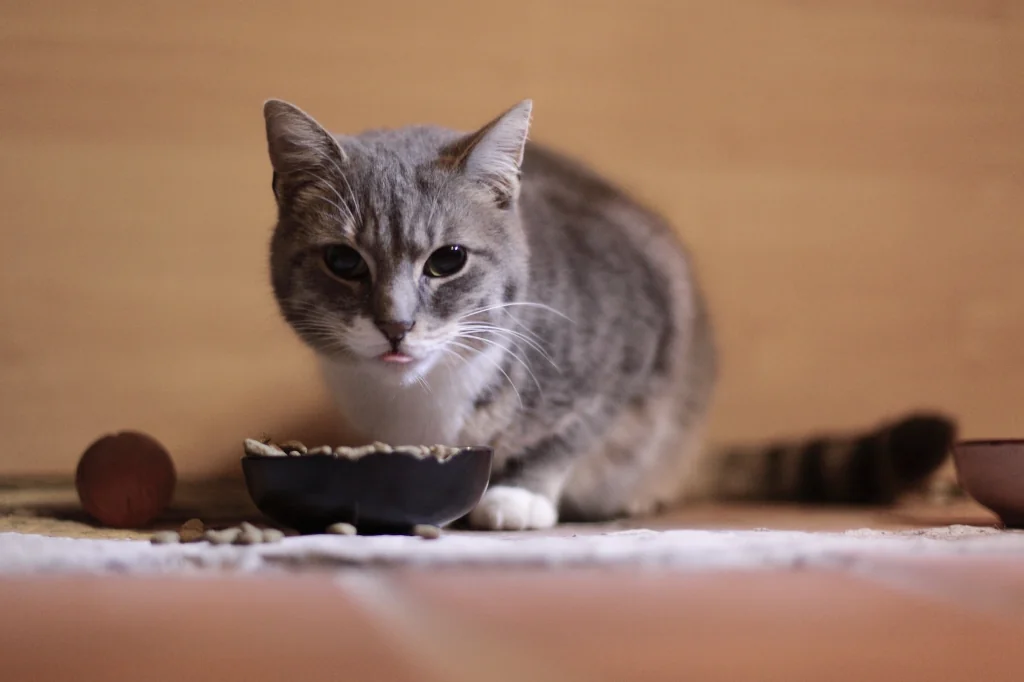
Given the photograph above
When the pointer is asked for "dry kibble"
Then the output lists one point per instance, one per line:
(246, 538)
(272, 535)
(293, 446)
(249, 535)
(191, 535)
(223, 537)
(165, 537)
(259, 449)
(426, 531)
(443, 451)
(296, 448)
(341, 529)
(192, 530)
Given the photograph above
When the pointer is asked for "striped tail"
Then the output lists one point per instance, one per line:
(872, 467)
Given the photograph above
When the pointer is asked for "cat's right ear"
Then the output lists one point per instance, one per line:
(493, 155)
(295, 141)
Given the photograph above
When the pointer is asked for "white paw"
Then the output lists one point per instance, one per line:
(506, 508)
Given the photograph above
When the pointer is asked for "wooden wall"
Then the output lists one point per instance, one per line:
(849, 173)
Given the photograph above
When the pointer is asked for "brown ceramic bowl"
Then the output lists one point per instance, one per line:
(992, 472)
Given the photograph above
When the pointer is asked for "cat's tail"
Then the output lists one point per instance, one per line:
(871, 467)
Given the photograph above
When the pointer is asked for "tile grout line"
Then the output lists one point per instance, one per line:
(982, 601)
(454, 651)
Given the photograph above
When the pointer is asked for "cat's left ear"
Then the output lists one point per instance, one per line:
(493, 155)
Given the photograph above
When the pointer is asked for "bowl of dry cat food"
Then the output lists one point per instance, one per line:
(992, 472)
(376, 488)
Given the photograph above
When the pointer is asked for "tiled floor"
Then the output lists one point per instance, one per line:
(900, 620)
(728, 626)
(513, 626)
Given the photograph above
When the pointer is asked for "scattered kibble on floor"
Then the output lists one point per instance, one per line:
(194, 530)
(426, 531)
(272, 535)
(165, 537)
(223, 537)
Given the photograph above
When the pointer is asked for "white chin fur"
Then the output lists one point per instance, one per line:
(389, 403)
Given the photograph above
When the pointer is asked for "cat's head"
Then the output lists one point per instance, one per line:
(392, 247)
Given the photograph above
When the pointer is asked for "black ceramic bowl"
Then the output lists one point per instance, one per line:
(377, 493)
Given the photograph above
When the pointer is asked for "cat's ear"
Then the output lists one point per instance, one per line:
(493, 155)
(296, 141)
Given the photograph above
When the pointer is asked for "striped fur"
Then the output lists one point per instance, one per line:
(871, 467)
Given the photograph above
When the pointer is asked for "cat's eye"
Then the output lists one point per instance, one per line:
(446, 261)
(344, 262)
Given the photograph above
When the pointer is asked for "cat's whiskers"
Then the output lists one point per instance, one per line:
(329, 333)
(510, 335)
(319, 325)
(315, 315)
(526, 330)
(448, 351)
(487, 326)
(452, 374)
(519, 323)
(483, 354)
(332, 346)
(530, 304)
(423, 382)
(511, 352)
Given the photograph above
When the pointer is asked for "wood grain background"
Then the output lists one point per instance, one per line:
(849, 173)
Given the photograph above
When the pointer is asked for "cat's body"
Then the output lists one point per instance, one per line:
(616, 400)
(476, 289)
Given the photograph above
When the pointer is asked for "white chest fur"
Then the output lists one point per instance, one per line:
(431, 412)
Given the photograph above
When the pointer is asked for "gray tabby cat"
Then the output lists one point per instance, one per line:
(478, 289)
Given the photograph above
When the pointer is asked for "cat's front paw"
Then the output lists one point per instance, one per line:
(507, 508)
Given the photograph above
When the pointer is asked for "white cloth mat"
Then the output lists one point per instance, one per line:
(680, 549)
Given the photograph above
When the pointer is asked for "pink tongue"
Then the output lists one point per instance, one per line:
(396, 357)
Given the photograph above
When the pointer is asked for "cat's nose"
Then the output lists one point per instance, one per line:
(394, 330)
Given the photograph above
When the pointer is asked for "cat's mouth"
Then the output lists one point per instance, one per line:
(396, 358)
